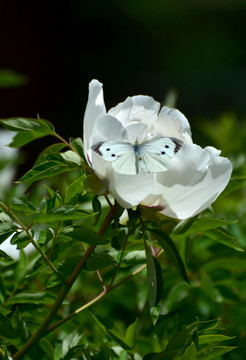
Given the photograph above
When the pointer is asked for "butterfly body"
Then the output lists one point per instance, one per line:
(147, 157)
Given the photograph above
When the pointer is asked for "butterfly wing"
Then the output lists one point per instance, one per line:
(149, 157)
(121, 154)
(111, 150)
(157, 153)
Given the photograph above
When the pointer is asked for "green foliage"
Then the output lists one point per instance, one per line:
(153, 286)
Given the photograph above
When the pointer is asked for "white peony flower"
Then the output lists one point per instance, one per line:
(180, 185)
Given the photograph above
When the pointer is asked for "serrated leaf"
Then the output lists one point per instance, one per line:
(223, 237)
(27, 129)
(77, 144)
(168, 245)
(212, 352)
(6, 230)
(21, 239)
(69, 158)
(21, 205)
(76, 187)
(83, 234)
(43, 171)
(61, 213)
(52, 149)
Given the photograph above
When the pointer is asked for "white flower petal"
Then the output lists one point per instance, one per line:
(122, 111)
(108, 128)
(172, 122)
(95, 108)
(137, 108)
(136, 131)
(194, 181)
(130, 190)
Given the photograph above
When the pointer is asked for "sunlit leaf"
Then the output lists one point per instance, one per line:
(27, 129)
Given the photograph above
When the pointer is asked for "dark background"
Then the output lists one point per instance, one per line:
(134, 47)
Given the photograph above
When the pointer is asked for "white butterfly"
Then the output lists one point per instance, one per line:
(147, 157)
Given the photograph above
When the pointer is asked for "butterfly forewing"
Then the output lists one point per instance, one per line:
(111, 150)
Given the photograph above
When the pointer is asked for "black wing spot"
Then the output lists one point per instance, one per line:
(96, 147)
(108, 149)
(113, 155)
(163, 153)
(167, 146)
(178, 144)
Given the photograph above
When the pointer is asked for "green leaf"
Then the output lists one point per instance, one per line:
(43, 171)
(82, 233)
(130, 337)
(223, 237)
(183, 337)
(19, 326)
(155, 283)
(99, 261)
(47, 348)
(52, 149)
(61, 213)
(77, 144)
(27, 129)
(5, 258)
(96, 205)
(132, 258)
(126, 341)
(5, 327)
(184, 225)
(21, 205)
(212, 352)
(234, 184)
(2, 290)
(205, 224)
(69, 158)
(168, 245)
(76, 187)
(21, 239)
(32, 298)
(190, 353)
(6, 229)
(213, 338)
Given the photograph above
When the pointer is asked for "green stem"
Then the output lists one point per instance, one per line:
(26, 229)
(63, 292)
(2, 356)
(118, 266)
